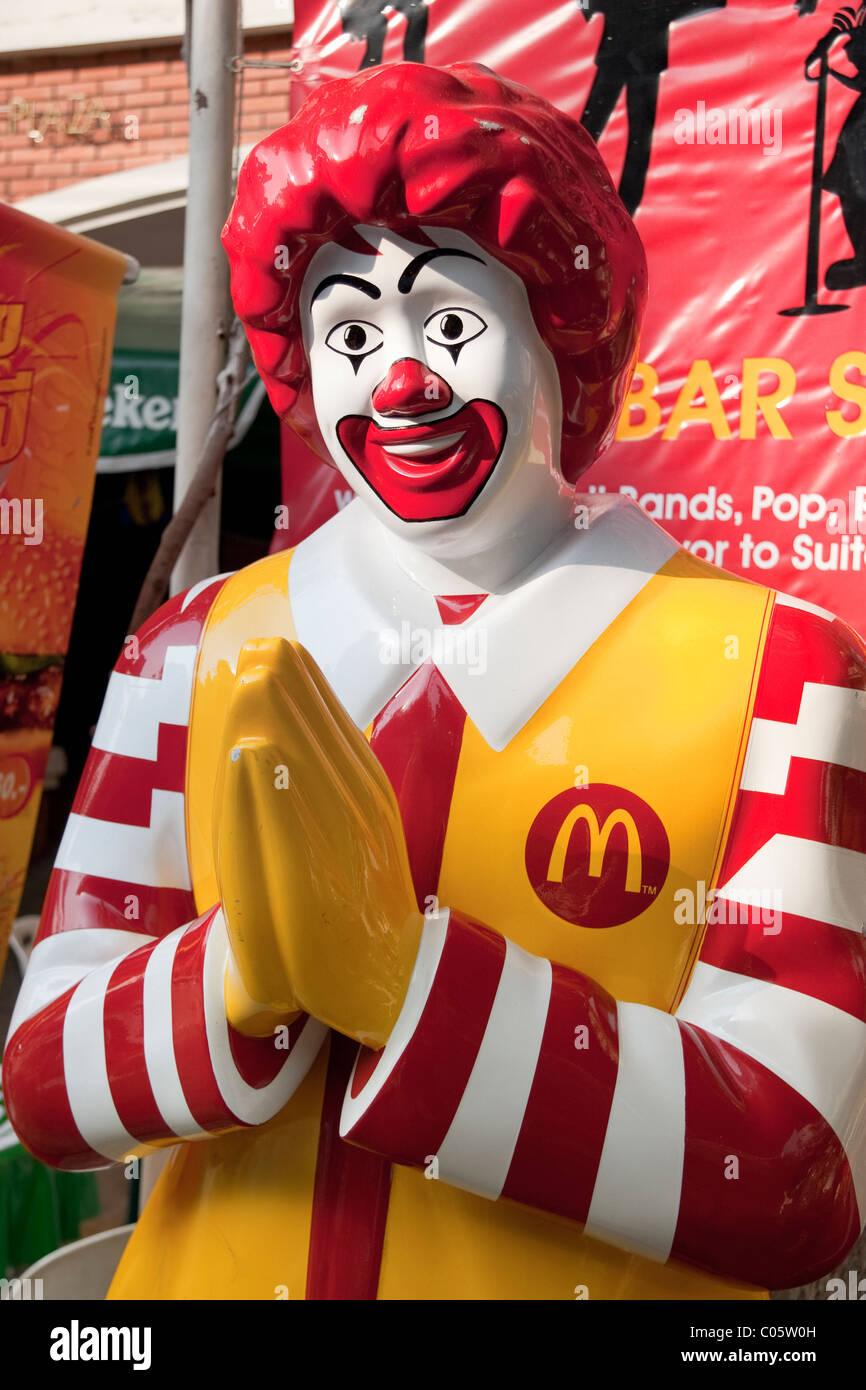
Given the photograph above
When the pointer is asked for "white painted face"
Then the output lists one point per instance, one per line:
(433, 390)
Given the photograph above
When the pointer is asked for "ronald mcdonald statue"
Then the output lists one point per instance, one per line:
(473, 897)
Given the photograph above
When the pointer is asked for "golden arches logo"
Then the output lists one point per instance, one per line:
(608, 874)
(599, 835)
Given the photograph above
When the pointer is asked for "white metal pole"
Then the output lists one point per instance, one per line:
(205, 313)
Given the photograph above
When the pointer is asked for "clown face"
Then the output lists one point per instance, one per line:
(432, 387)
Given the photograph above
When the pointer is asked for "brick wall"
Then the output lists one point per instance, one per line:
(100, 114)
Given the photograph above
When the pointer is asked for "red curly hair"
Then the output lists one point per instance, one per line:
(406, 145)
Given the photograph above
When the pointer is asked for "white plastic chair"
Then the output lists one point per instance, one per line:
(83, 1270)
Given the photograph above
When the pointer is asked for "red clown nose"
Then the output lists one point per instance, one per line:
(411, 388)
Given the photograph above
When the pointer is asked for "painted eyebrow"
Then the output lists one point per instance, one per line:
(407, 280)
(353, 281)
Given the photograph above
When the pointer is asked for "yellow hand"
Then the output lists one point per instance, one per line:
(311, 858)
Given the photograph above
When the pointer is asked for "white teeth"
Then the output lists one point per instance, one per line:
(409, 448)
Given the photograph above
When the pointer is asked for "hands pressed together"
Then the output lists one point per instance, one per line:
(311, 858)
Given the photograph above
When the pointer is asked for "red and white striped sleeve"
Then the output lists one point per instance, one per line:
(731, 1135)
(119, 1040)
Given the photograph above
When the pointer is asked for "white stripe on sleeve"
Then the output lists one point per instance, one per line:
(135, 706)
(636, 1199)
(153, 855)
(86, 1070)
(476, 1152)
(830, 728)
(808, 878)
(158, 1029)
(251, 1104)
(57, 962)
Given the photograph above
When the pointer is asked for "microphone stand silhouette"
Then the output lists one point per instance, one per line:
(811, 305)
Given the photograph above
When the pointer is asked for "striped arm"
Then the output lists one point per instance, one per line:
(119, 1039)
(776, 1007)
(139, 1053)
(732, 1135)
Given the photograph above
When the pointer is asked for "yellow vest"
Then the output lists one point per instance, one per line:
(658, 707)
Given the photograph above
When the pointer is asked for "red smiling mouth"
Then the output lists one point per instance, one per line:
(427, 472)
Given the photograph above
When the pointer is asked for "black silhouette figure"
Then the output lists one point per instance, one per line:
(366, 19)
(846, 174)
(633, 54)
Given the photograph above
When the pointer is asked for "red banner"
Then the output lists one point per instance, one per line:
(747, 180)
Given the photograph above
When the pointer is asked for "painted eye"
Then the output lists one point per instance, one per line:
(454, 328)
(355, 340)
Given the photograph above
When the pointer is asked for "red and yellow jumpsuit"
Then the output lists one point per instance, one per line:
(631, 1060)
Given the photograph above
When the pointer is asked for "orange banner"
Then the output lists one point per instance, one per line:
(57, 312)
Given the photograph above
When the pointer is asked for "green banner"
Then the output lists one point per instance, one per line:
(139, 424)
(140, 414)
(139, 427)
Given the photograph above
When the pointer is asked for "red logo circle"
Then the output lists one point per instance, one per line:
(597, 855)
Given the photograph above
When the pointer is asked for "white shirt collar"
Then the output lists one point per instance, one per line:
(369, 625)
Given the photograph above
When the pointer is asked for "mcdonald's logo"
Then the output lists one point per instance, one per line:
(597, 855)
